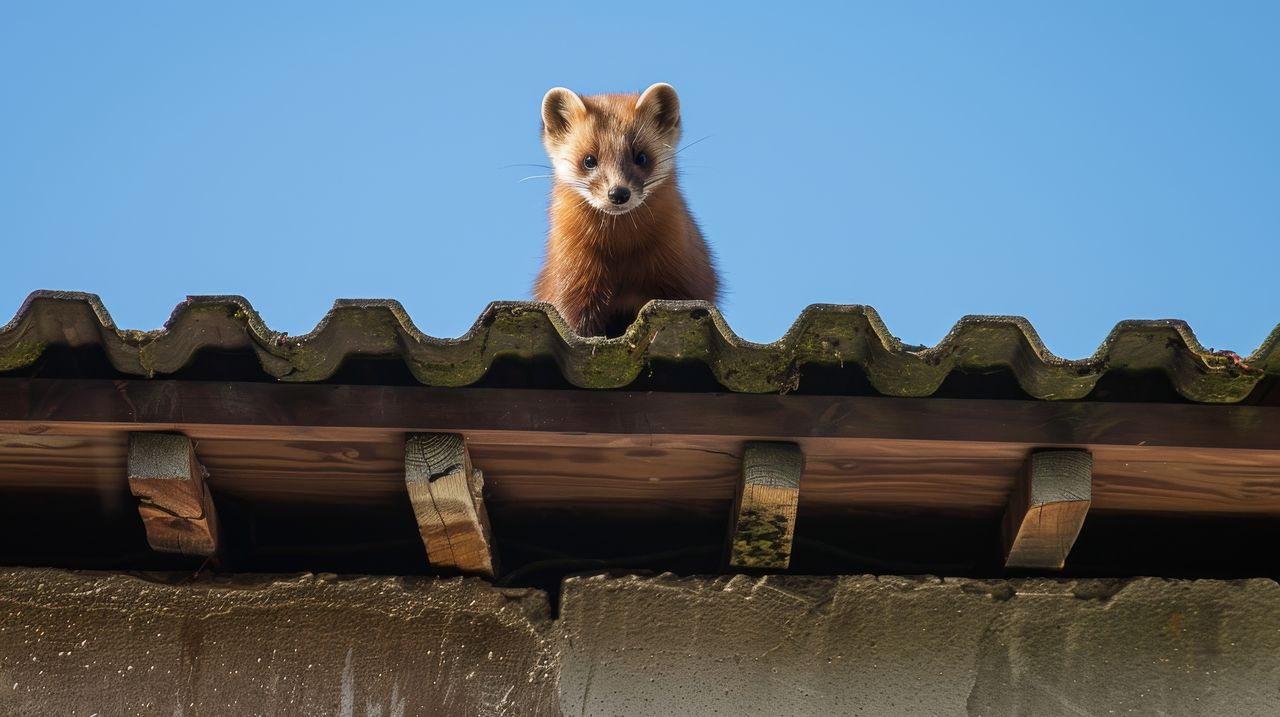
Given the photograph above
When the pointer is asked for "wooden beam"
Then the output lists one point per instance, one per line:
(285, 441)
(1047, 509)
(287, 412)
(448, 502)
(764, 514)
(671, 475)
(174, 501)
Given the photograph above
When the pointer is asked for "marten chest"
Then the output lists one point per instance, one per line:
(610, 298)
(632, 281)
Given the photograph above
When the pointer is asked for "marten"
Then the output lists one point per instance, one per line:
(620, 233)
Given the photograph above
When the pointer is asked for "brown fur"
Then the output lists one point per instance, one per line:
(601, 268)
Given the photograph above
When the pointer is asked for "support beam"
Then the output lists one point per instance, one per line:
(864, 451)
(174, 500)
(448, 502)
(764, 516)
(284, 411)
(1047, 509)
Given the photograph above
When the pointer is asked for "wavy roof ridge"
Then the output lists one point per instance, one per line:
(822, 335)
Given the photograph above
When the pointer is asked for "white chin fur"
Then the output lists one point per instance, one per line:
(607, 207)
(616, 210)
(604, 205)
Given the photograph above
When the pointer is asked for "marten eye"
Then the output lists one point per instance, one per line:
(642, 159)
(589, 161)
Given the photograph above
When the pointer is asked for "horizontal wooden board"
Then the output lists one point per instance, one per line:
(957, 477)
(551, 474)
(289, 411)
(1188, 480)
(303, 470)
(684, 474)
(58, 462)
(642, 452)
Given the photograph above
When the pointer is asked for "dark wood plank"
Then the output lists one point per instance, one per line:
(667, 474)
(448, 502)
(634, 478)
(1047, 509)
(958, 477)
(53, 463)
(300, 471)
(562, 447)
(977, 478)
(764, 510)
(289, 411)
(1132, 479)
(173, 500)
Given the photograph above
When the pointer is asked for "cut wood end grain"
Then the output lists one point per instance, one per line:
(174, 501)
(447, 494)
(764, 520)
(1047, 509)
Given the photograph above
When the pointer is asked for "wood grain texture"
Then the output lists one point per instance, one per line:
(303, 471)
(292, 411)
(55, 463)
(764, 516)
(693, 475)
(174, 502)
(448, 501)
(955, 477)
(638, 451)
(656, 479)
(1047, 509)
(1132, 479)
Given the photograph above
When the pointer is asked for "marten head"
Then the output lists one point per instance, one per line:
(614, 150)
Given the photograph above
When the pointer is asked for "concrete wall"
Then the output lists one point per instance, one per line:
(898, 646)
(83, 643)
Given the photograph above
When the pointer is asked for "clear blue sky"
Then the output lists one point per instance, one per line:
(1076, 164)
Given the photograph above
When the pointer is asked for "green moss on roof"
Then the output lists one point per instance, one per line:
(822, 336)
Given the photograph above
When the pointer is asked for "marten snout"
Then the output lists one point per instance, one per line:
(619, 195)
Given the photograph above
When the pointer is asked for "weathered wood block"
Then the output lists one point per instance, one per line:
(764, 521)
(1047, 509)
(174, 501)
(448, 502)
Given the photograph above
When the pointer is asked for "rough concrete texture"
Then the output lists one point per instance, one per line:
(92, 643)
(85, 644)
(901, 646)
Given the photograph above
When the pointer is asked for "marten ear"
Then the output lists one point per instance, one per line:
(662, 106)
(560, 107)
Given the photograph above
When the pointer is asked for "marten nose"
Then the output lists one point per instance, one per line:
(619, 195)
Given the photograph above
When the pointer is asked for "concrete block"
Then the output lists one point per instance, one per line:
(782, 645)
(113, 644)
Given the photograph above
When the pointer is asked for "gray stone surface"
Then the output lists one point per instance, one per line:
(902, 646)
(84, 644)
(112, 644)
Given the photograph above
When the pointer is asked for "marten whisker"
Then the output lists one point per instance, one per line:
(696, 141)
(672, 158)
(655, 180)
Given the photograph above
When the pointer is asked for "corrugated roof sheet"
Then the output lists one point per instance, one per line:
(826, 336)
